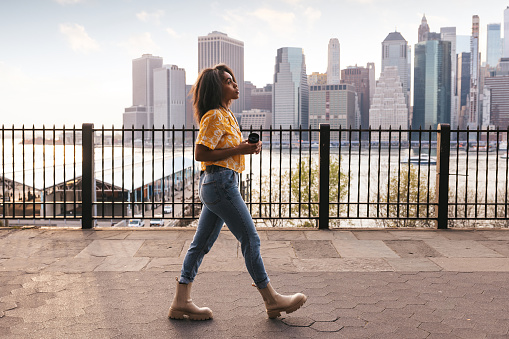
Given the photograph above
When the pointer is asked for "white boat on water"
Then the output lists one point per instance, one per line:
(423, 159)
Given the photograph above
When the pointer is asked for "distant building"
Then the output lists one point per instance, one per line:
(255, 118)
(261, 98)
(169, 100)
(359, 78)
(316, 78)
(290, 94)
(462, 88)
(449, 34)
(493, 45)
(248, 88)
(389, 108)
(216, 48)
(395, 52)
(332, 104)
(135, 117)
(143, 91)
(497, 92)
(333, 68)
(423, 30)
(474, 119)
(432, 84)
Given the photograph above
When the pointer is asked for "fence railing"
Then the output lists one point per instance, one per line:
(326, 177)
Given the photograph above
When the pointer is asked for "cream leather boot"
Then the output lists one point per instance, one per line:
(183, 305)
(276, 303)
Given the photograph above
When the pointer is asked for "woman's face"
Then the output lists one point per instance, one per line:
(230, 89)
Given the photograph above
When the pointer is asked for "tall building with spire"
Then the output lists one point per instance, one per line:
(395, 52)
(473, 117)
(216, 48)
(333, 70)
(423, 30)
(290, 93)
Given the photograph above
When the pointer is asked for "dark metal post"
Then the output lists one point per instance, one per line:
(442, 181)
(87, 175)
(323, 210)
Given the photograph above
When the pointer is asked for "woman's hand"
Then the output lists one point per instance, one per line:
(250, 148)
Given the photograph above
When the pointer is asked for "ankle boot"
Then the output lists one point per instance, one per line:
(276, 303)
(183, 305)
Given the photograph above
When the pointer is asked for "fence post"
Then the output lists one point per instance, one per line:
(442, 181)
(87, 181)
(324, 156)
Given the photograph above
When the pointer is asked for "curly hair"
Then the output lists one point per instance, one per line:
(208, 90)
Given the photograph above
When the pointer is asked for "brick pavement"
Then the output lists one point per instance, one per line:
(58, 283)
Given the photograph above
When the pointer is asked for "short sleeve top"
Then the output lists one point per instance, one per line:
(219, 129)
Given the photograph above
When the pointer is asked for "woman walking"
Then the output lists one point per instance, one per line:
(220, 148)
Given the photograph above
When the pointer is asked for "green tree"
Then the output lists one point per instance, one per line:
(406, 199)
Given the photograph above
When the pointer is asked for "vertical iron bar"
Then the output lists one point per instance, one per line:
(442, 180)
(399, 173)
(349, 170)
(74, 169)
(54, 176)
(486, 169)
(359, 174)
(457, 174)
(102, 171)
(466, 172)
(23, 175)
(65, 179)
(87, 175)
(324, 156)
(369, 171)
(379, 170)
(389, 173)
(113, 204)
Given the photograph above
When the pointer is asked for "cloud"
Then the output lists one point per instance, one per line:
(78, 38)
(312, 15)
(140, 44)
(68, 2)
(154, 16)
(172, 33)
(280, 22)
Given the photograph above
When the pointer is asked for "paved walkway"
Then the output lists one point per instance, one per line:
(118, 283)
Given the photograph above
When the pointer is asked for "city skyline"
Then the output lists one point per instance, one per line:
(69, 61)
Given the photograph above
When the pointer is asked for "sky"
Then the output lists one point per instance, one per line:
(66, 62)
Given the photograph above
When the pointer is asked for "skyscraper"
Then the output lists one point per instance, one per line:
(493, 45)
(169, 99)
(462, 88)
(449, 34)
(143, 83)
(423, 30)
(141, 113)
(432, 84)
(473, 117)
(498, 92)
(333, 70)
(506, 32)
(331, 104)
(389, 107)
(290, 94)
(359, 78)
(395, 53)
(216, 48)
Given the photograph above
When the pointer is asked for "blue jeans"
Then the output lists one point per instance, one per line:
(222, 203)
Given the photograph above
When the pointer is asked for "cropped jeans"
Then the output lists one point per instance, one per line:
(222, 203)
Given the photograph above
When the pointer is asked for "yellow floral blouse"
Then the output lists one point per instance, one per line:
(219, 129)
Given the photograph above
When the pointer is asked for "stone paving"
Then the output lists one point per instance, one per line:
(119, 283)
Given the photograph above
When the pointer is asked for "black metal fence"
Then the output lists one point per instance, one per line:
(322, 177)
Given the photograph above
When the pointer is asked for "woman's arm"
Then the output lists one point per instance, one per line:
(203, 153)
